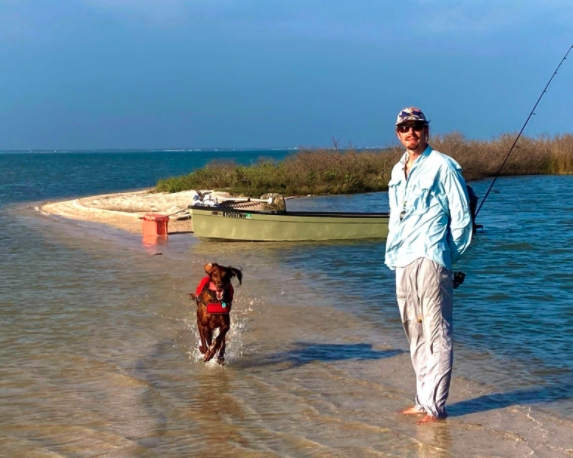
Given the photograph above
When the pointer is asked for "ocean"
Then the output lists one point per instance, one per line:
(98, 349)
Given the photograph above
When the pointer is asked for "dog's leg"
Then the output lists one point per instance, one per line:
(208, 336)
(208, 332)
(224, 330)
(218, 343)
(200, 325)
(203, 347)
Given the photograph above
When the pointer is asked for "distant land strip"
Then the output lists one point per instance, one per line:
(348, 171)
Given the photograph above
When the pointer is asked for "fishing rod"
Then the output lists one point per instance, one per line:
(523, 128)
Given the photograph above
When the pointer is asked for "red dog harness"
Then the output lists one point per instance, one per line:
(217, 307)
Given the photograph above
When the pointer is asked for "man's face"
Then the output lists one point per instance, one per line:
(412, 134)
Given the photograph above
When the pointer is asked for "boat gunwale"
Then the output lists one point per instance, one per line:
(296, 214)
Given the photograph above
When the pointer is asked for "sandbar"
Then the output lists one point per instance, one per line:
(124, 210)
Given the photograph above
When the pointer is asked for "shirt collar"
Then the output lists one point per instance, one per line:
(418, 160)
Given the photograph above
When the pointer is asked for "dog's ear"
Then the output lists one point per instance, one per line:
(236, 273)
(209, 267)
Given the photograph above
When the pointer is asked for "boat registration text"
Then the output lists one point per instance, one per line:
(232, 215)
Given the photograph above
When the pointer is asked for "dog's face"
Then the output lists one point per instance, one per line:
(221, 276)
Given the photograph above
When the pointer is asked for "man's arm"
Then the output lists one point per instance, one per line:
(393, 222)
(394, 213)
(460, 234)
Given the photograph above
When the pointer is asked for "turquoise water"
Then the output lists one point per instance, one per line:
(36, 176)
(98, 343)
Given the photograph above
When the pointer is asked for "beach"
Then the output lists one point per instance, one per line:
(100, 355)
(124, 210)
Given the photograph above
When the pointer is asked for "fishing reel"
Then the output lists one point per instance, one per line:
(458, 279)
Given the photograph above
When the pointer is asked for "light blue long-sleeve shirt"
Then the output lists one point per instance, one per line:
(436, 221)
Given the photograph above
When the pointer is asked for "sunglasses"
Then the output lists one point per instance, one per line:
(417, 126)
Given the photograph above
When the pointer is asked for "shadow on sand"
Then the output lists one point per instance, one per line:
(539, 395)
(303, 353)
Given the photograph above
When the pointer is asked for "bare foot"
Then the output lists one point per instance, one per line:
(428, 419)
(413, 411)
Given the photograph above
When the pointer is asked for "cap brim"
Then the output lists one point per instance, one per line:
(411, 120)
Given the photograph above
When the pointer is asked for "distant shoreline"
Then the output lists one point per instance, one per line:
(147, 150)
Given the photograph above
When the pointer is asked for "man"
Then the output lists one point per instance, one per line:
(430, 227)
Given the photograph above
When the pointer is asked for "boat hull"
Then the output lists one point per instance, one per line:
(242, 225)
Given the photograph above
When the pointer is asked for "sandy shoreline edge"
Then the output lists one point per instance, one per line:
(124, 210)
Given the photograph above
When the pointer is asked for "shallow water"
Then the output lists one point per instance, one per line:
(98, 350)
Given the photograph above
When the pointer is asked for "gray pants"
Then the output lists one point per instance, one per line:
(425, 298)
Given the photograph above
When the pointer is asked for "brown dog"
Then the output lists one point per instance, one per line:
(214, 301)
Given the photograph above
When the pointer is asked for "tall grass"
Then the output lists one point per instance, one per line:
(543, 155)
(331, 171)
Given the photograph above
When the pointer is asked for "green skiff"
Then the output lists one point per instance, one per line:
(213, 223)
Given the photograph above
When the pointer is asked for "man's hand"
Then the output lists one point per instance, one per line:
(458, 279)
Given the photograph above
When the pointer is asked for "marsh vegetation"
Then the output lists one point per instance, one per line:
(350, 171)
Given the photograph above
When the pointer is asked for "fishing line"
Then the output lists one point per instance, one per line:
(523, 128)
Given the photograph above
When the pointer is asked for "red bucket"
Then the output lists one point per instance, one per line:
(155, 224)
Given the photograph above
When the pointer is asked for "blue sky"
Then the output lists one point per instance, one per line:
(88, 74)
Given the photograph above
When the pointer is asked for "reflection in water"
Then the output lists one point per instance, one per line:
(436, 436)
(152, 241)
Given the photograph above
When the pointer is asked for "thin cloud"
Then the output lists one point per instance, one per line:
(445, 16)
(370, 20)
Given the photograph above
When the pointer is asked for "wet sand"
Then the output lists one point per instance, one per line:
(327, 384)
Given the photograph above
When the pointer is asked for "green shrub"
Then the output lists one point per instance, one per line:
(333, 171)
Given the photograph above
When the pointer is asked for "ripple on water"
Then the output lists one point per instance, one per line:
(106, 341)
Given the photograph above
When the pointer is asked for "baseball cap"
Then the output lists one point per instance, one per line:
(411, 114)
